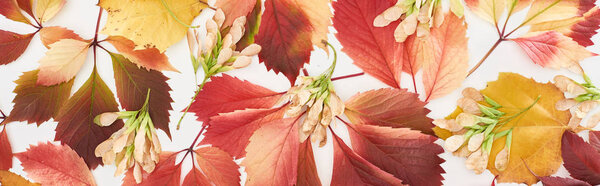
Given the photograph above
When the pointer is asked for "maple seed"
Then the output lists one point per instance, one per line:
(450, 125)
(419, 17)
(454, 142)
(470, 120)
(106, 119)
(501, 161)
(469, 105)
(475, 142)
(472, 93)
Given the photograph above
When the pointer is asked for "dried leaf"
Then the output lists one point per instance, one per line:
(9, 178)
(47, 9)
(149, 58)
(10, 9)
(53, 34)
(551, 10)
(595, 139)
(167, 173)
(558, 181)
(234, 9)
(12, 44)
(489, 10)
(6, 154)
(195, 178)
(307, 170)
(582, 160)
(579, 28)
(218, 166)
(252, 26)
(62, 62)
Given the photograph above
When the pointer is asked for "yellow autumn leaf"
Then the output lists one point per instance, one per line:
(62, 62)
(47, 9)
(489, 10)
(552, 10)
(148, 23)
(9, 178)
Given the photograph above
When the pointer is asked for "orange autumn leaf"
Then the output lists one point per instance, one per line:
(53, 34)
(149, 58)
(554, 50)
(166, 173)
(580, 28)
(416, 52)
(47, 9)
(10, 9)
(26, 5)
(12, 45)
(218, 166)
(9, 178)
(62, 62)
(6, 154)
(307, 170)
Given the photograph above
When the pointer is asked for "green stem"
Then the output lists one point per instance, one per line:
(332, 67)
(508, 119)
(193, 99)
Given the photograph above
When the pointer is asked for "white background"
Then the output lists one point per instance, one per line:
(81, 16)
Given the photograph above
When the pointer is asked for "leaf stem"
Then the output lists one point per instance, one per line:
(193, 99)
(347, 76)
(486, 56)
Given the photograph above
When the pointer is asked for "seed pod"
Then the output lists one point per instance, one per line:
(475, 142)
(227, 41)
(501, 161)
(326, 115)
(219, 17)
(319, 135)
(336, 104)
(466, 120)
(241, 62)
(450, 125)
(468, 105)
(212, 27)
(454, 142)
(224, 55)
(250, 50)
(584, 107)
(472, 93)
(566, 84)
(209, 43)
(477, 161)
(406, 28)
(388, 16)
(137, 173)
(565, 104)
(106, 119)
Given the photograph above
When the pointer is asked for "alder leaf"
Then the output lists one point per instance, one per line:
(389, 107)
(554, 50)
(62, 62)
(552, 10)
(218, 166)
(595, 139)
(272, 155)
(132, 85)
(231, 132)
(76, 126)
(50, 164)
(582, 160)
(149, 58)
(307, 170)
(53, 34)
(36, 103)
(10, 9)
(407, 154)
(47, 9)
(12, 45)
(166, 173)
(351, 169)
(148, 23)
(373, 49)
(580, 28)
(226, 94)
(234, 9)
(6, 154)
(450, 58)
(489, 10)
(9, 178)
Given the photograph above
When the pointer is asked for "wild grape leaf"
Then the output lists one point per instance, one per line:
(389, 107)
(489, 10)
(226, 94)
(10, 9)
(9, 178)
(195, 178)
(373, 49)
(148, 23)
(407, 154)
(231, 132)
(319, 14)
(47, 9)
(351, 169)
(62, 62)
(149, 58)
(234, 9)
(6, 154)
(76, 126)
(554, 50)
(595, 139)
(307, 170)
(552, 10)
(582, 160)
(416, 52)
(132, 87)
(166, 173)
(36, 103)
(580, 28)
(272, 155)
(51, 164)
(53, 34)
(558, 181)
(218, 166)
(252, 25)
(12, 44)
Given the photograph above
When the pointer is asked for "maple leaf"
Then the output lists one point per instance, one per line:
(407, 154)
(76, 119)
(51, 164)
(10, 9)
(12, 44)
(272, 155)
(6, 154)
(226, 94)
(552, 49)
(149, 58)
(62, 62)
(231, 132)
(218, 166)
(166, 173)
(389, 107)
(580, 28)
(307, 170)
(582, 160)
(148, 23)
(37, 103)
(132, 87)
(373, 49)
(351, 169)
(489, 10)
(234, 9)
(9, 178)
(53, 34)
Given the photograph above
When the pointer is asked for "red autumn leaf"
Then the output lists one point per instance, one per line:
(285, 36)
(389, 107)
(226, 94)
(51, 164)
(407, 154)
(581, 159)
(10, 9)
(307, 170)
(12, 44)
(351, 169)
(252, 25)
(234, 9)
(150, 58)
(558, 181)
(232, 131)
(36, 103)
(166, 173)
(6, 154)
(132, 87)
(595, 139)
(272, 155)
(373, 49)
(26, 5)
(195, 178)
(416, 52)
(76, 126)
(52, 34)
(579, 28)
(218, 166)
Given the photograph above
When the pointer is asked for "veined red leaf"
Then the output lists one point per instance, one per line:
(6, 154)
(166, 173)
(53, 34)
(62, 62)
(407, 154)
(552, 10)
(51, 164)
(226, 94)
(232, 131)
(558, 181)
(218, 166)
(12, 44)
(9, 178)
(272, 155)
(76, 126)
(351, 169)
(132, 87)
(580, 29)
(450, 60)
(373, 49)
(389, 107)
(581, 159)
(195, 178)
(307, 170)
(36, 103)
(595, 139)
(234, 9)
(150, 58)
(10, 9)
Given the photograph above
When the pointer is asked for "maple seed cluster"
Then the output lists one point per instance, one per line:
(587, 98)
(417, 16)
(217, 54)
(135, 145)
